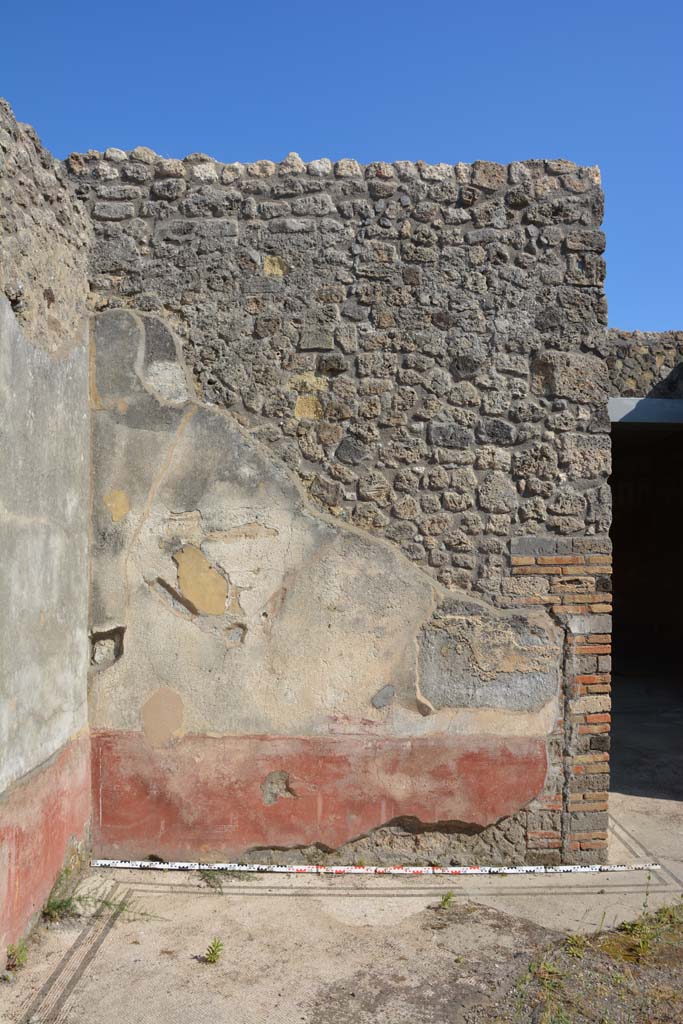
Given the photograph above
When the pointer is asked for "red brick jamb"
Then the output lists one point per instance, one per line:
(42, 816)
(579, 595)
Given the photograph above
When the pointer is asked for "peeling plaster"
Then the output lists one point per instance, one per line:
(276, 786)
(281, 621)
(201, 585)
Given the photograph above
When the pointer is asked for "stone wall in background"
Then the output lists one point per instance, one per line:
(44, 502)
(645, 364)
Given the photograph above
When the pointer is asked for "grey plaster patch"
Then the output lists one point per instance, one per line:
(167, 380)
(276, 786)
(490, 661)
(384, 696)
(118, 342)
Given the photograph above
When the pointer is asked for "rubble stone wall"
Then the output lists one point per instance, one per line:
(350, 558)
(351, 459)
(416, 342)
(645, 364)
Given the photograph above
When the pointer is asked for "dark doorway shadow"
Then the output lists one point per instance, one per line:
(647, 684)
(647, 736)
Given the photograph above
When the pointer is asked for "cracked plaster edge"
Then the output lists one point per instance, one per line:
(437, 591)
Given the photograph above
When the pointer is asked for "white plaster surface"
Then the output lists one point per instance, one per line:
(44, 494)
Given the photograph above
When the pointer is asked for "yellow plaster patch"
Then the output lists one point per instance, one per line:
(95, 400)
(234, 607)
(118, 504)
(307, 382)
(274, 266)
(202, 586)
(308, 407)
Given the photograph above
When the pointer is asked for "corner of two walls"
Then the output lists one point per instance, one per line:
(44, 522)
(349, 592)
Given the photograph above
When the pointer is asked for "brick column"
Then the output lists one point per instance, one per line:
(576, 588)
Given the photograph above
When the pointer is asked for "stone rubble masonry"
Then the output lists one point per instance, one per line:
(645, 365)
(416, 342)
(45, 238)
(421, 346)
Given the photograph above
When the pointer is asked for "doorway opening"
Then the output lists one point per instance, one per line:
(647, 677)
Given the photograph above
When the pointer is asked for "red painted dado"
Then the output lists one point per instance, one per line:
(39, 816)
(202, 797)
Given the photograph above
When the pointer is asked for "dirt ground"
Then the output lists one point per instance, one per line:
(360, 950)
(626, 976)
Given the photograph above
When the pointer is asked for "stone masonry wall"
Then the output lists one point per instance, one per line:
(423, 348)
(414, 341)
(645, 364)
(350, 580)
(44, 240)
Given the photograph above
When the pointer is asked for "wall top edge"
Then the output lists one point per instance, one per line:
(484, 173)
(619, 336)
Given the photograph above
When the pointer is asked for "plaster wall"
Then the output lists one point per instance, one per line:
(263, 674)
(44, 499)
(44, 482)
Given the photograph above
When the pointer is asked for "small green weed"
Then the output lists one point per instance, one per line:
(62, 901)
(559, 1016)
(212, 879)
(576, 945)
(548, 976)
(446, 900)
(213, 951)
(17, 955)
(648, 936)
(66, 901)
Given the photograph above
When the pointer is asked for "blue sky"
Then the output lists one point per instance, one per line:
(595, 82)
